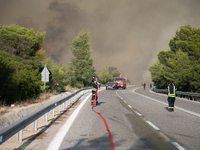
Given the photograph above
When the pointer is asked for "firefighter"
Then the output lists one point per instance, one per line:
(171, 96)
(95, 84)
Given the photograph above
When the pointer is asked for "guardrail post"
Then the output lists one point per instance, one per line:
(53, 112)
(46, 117)
(35, 125)
(20, 135)
(63, 105)
(69, 101)
(74, 97)
(59, 109)
(66, 103)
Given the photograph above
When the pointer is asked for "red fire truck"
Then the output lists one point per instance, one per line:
(119, 82)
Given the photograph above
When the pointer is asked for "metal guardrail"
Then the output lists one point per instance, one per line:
(180, 94)
(19, 125)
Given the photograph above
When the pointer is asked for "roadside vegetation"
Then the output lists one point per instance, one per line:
(22, 59)
(181, 63)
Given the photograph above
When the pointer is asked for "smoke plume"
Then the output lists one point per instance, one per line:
(125, 34)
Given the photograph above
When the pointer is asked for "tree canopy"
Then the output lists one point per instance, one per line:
(116, 73)
(181, 63)
(20, 41)
(22, 60)
(108, 74)
(58, 75)
(105, 76)
(20, 78)
(81, 64)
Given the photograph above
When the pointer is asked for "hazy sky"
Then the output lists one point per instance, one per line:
(127, 34)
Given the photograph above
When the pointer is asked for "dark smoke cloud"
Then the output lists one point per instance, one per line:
(125, 34)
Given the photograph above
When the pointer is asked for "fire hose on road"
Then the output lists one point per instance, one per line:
(110, 135)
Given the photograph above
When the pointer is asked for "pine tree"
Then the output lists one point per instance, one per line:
(81, 66)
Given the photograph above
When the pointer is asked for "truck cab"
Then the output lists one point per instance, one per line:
(119, 82)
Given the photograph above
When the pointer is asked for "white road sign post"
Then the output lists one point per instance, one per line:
(45, 76)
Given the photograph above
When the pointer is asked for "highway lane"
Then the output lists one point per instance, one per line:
(129, 130)
(179, 126)
(137, 118)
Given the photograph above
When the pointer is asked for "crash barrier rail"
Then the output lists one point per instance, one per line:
(19, 125)
(187, 95)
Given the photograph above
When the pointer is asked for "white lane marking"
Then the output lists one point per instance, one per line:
(178, 146)
(129, 106)
(187, 111)
(55, 143)
(165, 136)
(156, 128)
(118, 95)
(138, 113)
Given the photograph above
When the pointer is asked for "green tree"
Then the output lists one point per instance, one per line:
(116, 73)
(81, 66)
(157, 75)
(18, 80)
(104, 76)
(181, 62)
(58, 75)
(187, 40)
(20, 41)
(21, 76)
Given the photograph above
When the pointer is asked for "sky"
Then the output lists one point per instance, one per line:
(126, 34)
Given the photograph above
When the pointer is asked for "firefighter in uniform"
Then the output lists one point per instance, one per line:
(171, 96)
(95, 84)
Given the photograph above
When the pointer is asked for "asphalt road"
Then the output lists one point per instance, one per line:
(127, 112)
(138, 120)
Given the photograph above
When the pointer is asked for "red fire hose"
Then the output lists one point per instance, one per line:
(110, 135)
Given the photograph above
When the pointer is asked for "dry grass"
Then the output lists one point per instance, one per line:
(43, 96)
(69, 88)
(3, 110)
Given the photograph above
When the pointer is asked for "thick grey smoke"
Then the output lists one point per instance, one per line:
(127, 34)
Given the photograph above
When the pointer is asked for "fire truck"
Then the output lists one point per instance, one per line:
(119, 82)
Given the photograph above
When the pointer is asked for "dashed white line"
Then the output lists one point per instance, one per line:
(129, 106)
(156, 128)
(151, 124)
(187, 111)
(178, 146)
(165, 136)
(138, 113)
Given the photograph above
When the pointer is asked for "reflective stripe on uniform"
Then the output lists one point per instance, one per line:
(172, 94)
(94, 89)
(171, 107)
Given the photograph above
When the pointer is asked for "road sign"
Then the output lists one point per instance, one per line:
(45, 74)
